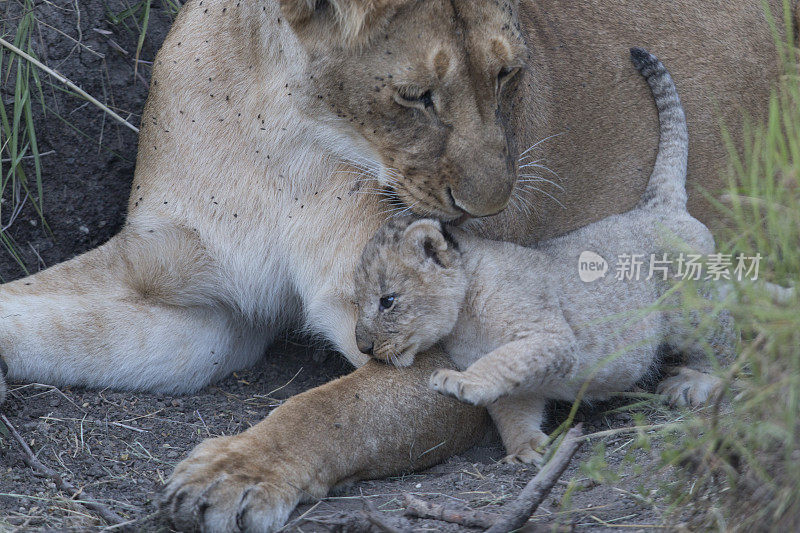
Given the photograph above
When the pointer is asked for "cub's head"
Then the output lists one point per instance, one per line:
(409, 288)
(417, 92)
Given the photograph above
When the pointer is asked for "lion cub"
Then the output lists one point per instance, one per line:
(518, 322)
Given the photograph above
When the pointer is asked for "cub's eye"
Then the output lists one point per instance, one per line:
(409, 97)
(505, 75)
(387, 302)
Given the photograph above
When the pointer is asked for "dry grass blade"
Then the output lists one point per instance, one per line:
(68, 83)
(86, 500)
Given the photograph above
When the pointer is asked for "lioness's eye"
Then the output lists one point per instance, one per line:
(505, 74)
(387, 302)
(412, 98)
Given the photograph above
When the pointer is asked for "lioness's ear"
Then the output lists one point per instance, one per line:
(348, 21)
(425, 240)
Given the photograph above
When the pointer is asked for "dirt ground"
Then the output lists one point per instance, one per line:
(120, 447)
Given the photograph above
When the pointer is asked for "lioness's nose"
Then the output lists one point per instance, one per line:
(486, 177)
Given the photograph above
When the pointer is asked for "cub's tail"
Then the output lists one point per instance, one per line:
(667, 186)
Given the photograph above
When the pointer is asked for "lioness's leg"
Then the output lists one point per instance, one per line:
(376, 421)
(91, 321)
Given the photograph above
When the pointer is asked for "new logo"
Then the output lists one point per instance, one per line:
(591, 267)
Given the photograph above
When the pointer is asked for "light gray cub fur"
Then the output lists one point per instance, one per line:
(518, 322)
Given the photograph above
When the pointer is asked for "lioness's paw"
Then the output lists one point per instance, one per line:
(219, 487)
(689, 388)
(464, 386)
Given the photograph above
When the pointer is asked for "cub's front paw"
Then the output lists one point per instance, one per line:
(463, 386)
(222, 486)
(689, 388)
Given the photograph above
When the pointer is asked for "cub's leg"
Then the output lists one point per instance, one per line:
(519, 420)
(686, 387)
(377, 421)
(128, 315)
(542, 356)
(691, 383)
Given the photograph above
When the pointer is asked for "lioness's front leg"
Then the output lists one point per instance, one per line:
(376, 421)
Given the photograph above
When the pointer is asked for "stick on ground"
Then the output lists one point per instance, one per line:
(86, 500)
(521, 509)
(468, 518)
(537, 489)
(370, 520)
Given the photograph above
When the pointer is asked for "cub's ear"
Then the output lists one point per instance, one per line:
(425, 240)
(347, 21)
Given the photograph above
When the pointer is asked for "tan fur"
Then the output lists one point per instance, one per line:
(235, 113)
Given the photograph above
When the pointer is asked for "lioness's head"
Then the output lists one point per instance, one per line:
(421, 88)
(409, 287)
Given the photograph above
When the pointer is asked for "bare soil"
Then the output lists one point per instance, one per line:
(120, 447)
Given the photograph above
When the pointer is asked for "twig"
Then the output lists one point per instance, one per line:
(521, 509)
(68, 83)
(378, 521)
(86, 500)
(358, 522)
(467, 518)
(537, 489)
(367, 521)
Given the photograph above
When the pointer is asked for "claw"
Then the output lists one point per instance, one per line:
(689, 388)
(242, 510)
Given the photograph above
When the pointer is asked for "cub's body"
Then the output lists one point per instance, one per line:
(514, 291)
(520, 323)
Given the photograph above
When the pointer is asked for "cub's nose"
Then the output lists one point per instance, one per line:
(365, 346)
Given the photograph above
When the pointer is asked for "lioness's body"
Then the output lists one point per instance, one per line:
(239, 225)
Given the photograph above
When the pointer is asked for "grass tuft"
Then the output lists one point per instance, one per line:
(18, 141)
(740, 458)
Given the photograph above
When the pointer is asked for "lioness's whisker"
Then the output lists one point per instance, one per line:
(533, 178)
(540, 142)
(532, 188)
(553, 172)
(523, 205)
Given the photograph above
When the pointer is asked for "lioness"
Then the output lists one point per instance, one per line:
(245, 216)
(519, 323)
